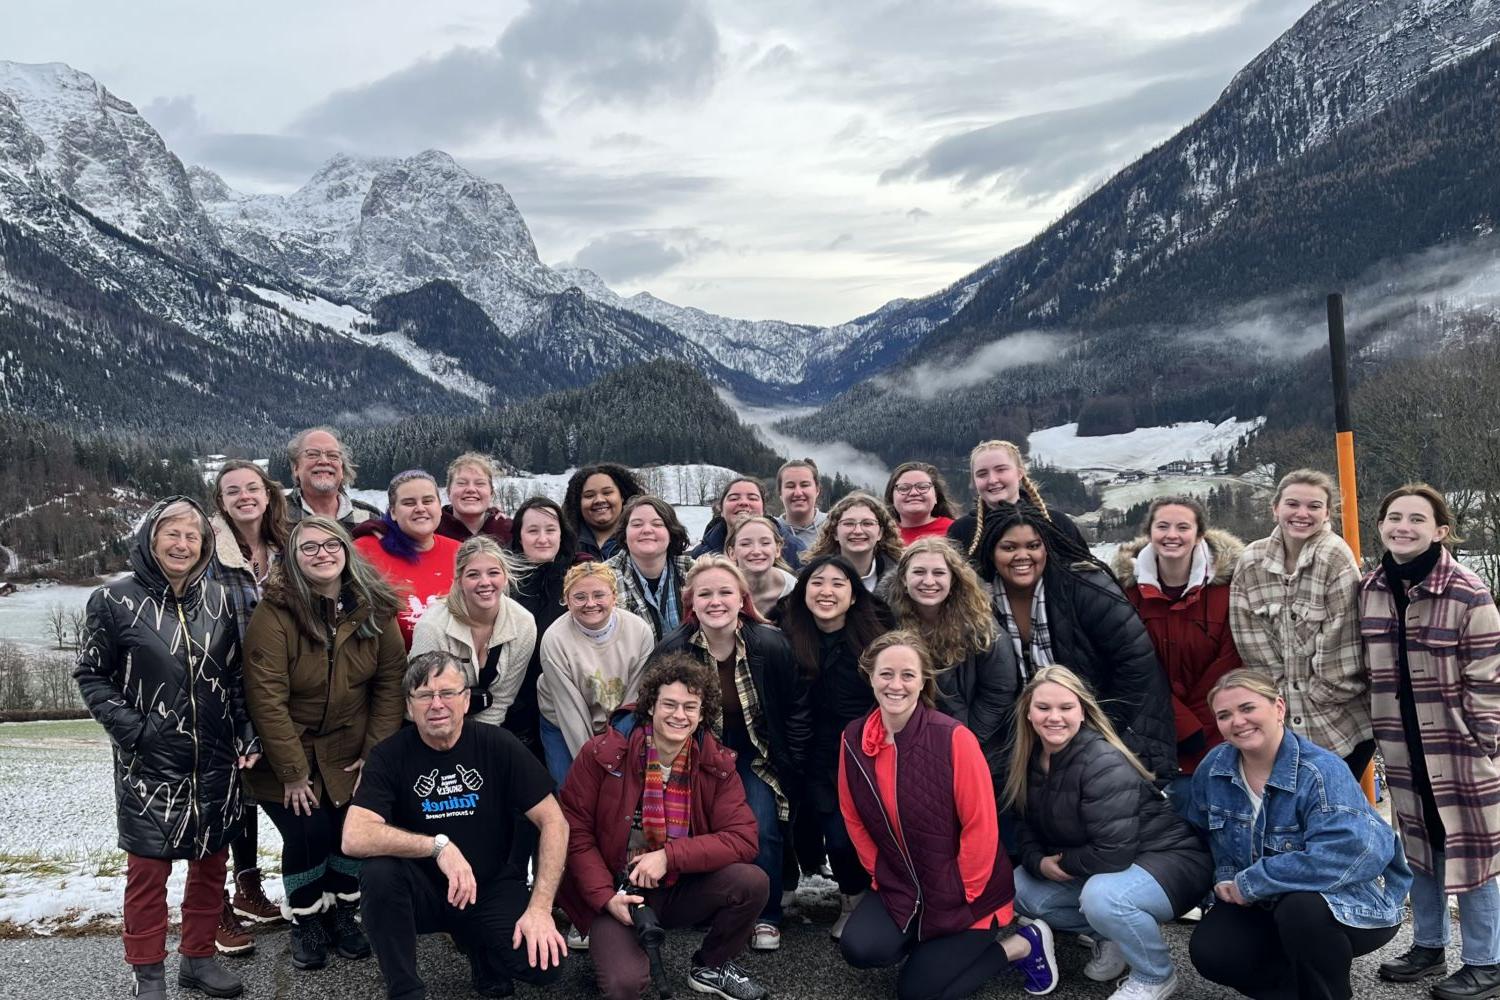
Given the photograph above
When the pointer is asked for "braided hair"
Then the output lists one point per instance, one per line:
(1028, 490)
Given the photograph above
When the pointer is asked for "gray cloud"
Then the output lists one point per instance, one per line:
(265, 158)
(589, 51)
(558, 190)
(1029, 347)
(841, 240)
(918, 214)
(630, 255)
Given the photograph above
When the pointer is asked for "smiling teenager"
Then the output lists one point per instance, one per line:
(1308, 875)
(861, 530)
(651, 562)
(471, 509)
(249, 536)
(928, 835)
(740, 499)
(596, 497)
(1431, 638)
(998, 474)
(323, 666)
(407, 550)
(765, 718)
(1294, 612)
(541, 538)
(797, 486)
(917, 497)
(1102, 850)
(756, 548)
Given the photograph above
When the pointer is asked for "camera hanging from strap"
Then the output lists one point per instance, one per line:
(479, 693)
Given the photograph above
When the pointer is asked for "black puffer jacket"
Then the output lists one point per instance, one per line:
(980, 691)
(1096, 810)
(161, 674)
(541, 593)
(1096, 632)
(785, 723)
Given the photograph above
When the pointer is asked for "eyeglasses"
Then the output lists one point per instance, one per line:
(427, 697)
(851, 525)
(314, 454)
(330, 546)
(905, 488)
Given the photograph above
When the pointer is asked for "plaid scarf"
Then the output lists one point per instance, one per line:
(1040, 652)
(666, 799)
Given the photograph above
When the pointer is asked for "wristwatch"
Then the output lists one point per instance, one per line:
(438, 843)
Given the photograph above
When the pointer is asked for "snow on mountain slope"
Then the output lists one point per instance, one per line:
(1144, 448)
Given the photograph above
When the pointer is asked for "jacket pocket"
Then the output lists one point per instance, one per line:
(1308, 620)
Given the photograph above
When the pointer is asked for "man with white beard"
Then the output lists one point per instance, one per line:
(322, 471)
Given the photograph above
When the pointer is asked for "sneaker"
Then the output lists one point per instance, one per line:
(1132, 988)
(232, 938)
(250, 900)
(309, 942)
(846, 907)
(1413, 964)
(1470, 982)
(345, 933)
(728, 981)
(765, 937)
(1038, 968)
(1192, 916)
(577, 941)
(1107, 962)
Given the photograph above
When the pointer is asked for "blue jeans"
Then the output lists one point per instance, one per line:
(1478, 916)
(1125, 907)
(555, 749)
(762, 802)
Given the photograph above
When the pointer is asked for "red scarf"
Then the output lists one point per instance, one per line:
(666, 802)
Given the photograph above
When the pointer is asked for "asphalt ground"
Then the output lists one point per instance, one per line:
(808, 967)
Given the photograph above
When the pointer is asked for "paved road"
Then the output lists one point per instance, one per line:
(808, 967)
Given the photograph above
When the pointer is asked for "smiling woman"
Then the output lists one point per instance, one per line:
(405, 546)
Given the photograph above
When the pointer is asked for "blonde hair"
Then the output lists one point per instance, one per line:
(912, 641)
(734, 532)
(481, 546)
(890, 533)
(1254, 681)
(1310, 477)
(472, 459)
(584, 570)
(718, 560)
(1014, 793)
(965, 624)
(1026, 489)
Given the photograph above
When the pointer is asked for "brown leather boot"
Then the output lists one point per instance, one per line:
(232, 937)
(250, 900)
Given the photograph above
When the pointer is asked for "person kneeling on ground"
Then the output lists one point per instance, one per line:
(664, 805)
(927, 832)
(433, 818)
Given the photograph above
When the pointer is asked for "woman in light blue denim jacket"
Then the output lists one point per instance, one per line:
(1307, 875)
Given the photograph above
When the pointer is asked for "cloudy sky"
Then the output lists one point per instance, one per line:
(770, 159)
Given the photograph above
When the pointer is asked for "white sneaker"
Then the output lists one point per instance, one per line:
(846, 907)
(577, 941)
(1107, 962)
(1192, 916)
(1133, 989)
(765, 937)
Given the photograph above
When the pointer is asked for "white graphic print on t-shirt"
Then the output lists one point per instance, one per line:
(447, 795)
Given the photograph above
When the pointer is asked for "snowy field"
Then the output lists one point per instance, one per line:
(59, 867)
(23, 615)
(1144, 448)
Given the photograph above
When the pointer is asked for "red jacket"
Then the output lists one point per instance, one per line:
(601, 795)
(1191, 635)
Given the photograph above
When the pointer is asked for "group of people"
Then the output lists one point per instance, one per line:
(460, 720)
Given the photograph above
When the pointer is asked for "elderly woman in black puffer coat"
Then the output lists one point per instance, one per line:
(159, 669)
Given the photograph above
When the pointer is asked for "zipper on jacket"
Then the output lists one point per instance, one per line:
(900, 846)
(187, 645)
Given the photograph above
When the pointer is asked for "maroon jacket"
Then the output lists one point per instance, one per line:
(496, 525)
(601, 796)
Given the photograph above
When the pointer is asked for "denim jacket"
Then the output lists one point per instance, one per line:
(1316, 832)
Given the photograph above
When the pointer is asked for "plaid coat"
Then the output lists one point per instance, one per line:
(1453, 652)
(1301, 626)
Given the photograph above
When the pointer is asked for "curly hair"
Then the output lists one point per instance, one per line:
(622, 477)
(941, 505)
(677, 536)
(889, 545)
(273, 524)
(965, 624)
(679, 668)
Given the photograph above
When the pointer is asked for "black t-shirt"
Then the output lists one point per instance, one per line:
(473, 793)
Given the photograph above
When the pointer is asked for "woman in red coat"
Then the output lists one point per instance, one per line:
(1177, 577)
(665, 808)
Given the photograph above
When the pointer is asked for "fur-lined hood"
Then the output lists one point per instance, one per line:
(1224, 547)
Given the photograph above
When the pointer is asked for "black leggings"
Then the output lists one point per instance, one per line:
(1293, 949)
(945, 968)
(312, 863)
(245, 845)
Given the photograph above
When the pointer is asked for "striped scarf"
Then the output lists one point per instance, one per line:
(666, 800)
(1038, 653)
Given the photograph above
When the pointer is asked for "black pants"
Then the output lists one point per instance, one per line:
(312, 863)
(1359, 758)
(399, 900)
(944, 968)
(1293, 949)
(246, 844)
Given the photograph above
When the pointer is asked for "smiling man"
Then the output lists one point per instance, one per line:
(322, 471)
(434, 817)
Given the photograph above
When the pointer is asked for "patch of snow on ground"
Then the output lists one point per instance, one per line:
(23, 615)
(440, 368)
(1144, 448)
(315, 309)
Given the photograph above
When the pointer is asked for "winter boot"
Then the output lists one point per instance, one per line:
(309, 941)
(232, 938)
(344, 932)
(250, 900)
(206, 975)
(148, 982)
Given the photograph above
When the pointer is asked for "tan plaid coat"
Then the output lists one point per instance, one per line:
(1453, 655)
(1301, 626)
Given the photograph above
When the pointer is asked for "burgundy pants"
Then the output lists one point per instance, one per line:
(729, 899)
(146, 907)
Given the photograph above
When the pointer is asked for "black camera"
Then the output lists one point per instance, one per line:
(649, 932)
